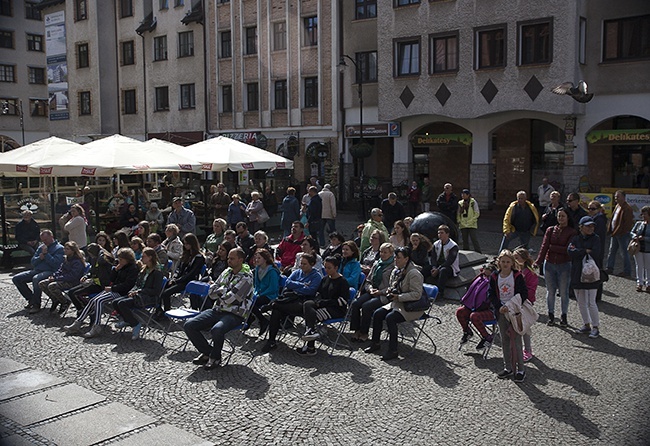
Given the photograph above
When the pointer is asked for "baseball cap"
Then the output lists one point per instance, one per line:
(586, 221)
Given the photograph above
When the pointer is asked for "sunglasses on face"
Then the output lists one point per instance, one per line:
(593, 209)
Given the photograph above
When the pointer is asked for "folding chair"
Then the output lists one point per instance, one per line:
(145, 315)
(493, 328)
(178, 316)
(230, 345)
(412, 331)
(337, 324)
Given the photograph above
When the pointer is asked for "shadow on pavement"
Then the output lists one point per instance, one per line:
(604, 345)
(624, 313)
(549, 374)
(234, 376)
(435, 367)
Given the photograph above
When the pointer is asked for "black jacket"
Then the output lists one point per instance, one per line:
(186, 272)
(150, 291)
(577, 251)
(124, 279)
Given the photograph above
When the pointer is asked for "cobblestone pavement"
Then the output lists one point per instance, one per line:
(577, 391)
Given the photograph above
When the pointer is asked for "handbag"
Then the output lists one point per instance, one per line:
(590, 271)
(422, 304)
(287, 296)
(263, 216)
(633, 247)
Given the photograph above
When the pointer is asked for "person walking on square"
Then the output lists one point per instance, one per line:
(619, 228)
(468, 214)
(544, 194)
(574, 210)
(329, 211)
(520, 221)
(315, 215)
(392, 210)
(413, 195)
(290, 211)
(426, 195)
(220, 201)
(447, 202)
(641, 233)
(549, 214)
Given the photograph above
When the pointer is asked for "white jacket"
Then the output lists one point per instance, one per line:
(329, 204)
(521, 317)
(76, 229)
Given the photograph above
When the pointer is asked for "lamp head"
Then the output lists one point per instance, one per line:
(342, 65)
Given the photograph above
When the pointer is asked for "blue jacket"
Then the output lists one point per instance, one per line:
(186, 221)
(52, 260)
(290, 211)
(269, 286)
(236, 213)
(306, 285)
(315, 209)
(351, 270)
(70, 271)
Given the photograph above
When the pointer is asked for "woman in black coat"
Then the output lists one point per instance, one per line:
(583, 244)
(190, 267)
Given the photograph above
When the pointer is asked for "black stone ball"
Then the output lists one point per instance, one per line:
(427, 223)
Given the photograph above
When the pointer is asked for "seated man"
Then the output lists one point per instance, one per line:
(27, 233)
(46, 261)
(290, 245)
(233, 296)
(245, 240)
(444, 259)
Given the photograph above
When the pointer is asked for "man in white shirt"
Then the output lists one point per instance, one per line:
(329, 210)
(544, 194)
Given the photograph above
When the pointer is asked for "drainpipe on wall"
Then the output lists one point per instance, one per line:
(342, 121)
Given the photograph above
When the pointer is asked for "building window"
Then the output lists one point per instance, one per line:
(251, 40)
(162, 98)
(128, 102)
(38, 108)
(7, 73)
(163, 4)
(311, 92)
(626, 39)
(10, 106)
(491, 48)
(84, 103)
(223, 1)
(367, 63)
(311, 31)
(160, 48)
(178, 3)
(365, 9)
(252, 97)
(6, 39)
(406, 2)
(407, 57)
(83, 58)
(280, 36)
(281, 95)
(186, 44)
(128, 53)
(226, 98)
(36, 75)
(6, 8)
(34, 42)
(535, 43)
(226, 45)
(126, 8)
(31, 11)
(80, 10)
(187, 96)
(444, 53)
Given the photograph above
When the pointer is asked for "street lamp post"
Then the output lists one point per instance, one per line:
(17, 108)
(363, 149)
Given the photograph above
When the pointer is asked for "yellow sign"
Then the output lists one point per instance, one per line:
(606, 201)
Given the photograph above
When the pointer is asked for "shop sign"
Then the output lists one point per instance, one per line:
(636, 202)
(245, 137)
(391, 129)
(619, 137)
(449, 139)
(605, 200)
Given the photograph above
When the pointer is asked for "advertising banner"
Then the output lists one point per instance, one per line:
(57, 66)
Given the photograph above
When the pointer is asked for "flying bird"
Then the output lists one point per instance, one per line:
(578, 93)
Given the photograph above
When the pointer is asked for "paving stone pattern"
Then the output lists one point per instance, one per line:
(578, 391)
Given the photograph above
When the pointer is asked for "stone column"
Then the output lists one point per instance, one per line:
(481, 184)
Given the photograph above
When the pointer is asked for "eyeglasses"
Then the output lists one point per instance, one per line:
(593, 209)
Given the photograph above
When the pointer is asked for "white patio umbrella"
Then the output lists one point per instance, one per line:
(222, 153)
(118, 154)
(18, 162)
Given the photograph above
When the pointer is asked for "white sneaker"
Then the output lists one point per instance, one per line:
(310, 335)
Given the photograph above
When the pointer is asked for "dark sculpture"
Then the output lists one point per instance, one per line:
(427, 223)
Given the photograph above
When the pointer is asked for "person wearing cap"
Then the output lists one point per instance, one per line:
(447, 202)
(182, 217)
(28, 232)
(475, 307)
(425, 195)
(375, 222)
(619, 228)
(155, 217)
(329, 211)
(392, 209)
(521, 220)
(583, 244)
(468, 214)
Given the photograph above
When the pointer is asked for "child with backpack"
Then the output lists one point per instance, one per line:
(525, 265)
(475, 308)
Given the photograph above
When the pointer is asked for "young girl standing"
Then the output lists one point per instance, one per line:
(504, 285)
(525, 265)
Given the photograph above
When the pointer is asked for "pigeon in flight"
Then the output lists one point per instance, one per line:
(578, 93)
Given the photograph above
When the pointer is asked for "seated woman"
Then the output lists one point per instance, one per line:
(155, 218)
(137, 245)
(143, 230)
(371, 254)
(104, 241)
(331, 302)
(120, 240)
(173, 246)
(350, 267)
(213, 240)
(476, 307)
(405, 285)
(336, 245)
(300, 286)
(373, 293)
(123, 277)
(266, 285)
(129, 219)
(98, 278)
(144, 294)
(191, 264)
(308, 246)
(261, 242)
(219, 262)
(401, 235)
(420, 247)
(67, 276)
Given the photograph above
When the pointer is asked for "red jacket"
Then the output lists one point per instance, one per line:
(555, 244)
(287, 250)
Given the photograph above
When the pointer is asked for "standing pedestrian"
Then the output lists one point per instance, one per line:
(253, 210)
(549, 214)
(520, 221)
(468, 214)
(315, 214)
(290, 211)
(574, 210)
(619, 228)
(641, 233)
(448, 202)
(544, 194)
(220, 201)
(427, 194)
(329, 211)
(392, 210)
(413, 195)
(182, 217)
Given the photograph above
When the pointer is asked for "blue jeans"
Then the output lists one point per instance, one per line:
(218, 322)
(524, 238)
(557, 276)
(21, 280)
(620, 241)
